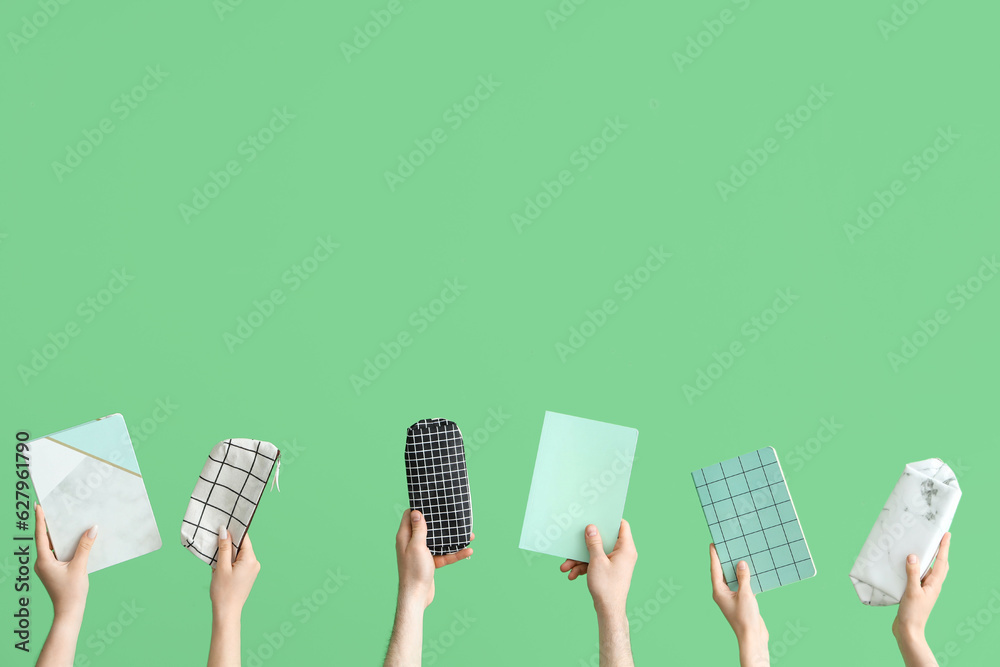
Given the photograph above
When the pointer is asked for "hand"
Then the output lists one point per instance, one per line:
(741, 610)
(919, 598)
(415, 562)
(608, 575)
(232, 581)
(66, 581)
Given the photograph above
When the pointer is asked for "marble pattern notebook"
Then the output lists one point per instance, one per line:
(89, 475)
(751, 518)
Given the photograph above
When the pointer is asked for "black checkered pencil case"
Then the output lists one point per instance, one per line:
(226, 494)
(438, 482)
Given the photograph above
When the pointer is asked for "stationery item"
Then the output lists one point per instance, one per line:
(751, 518)
(89, 475)
(226, 494)
(581, 477)
(438, 483)
(916, 516)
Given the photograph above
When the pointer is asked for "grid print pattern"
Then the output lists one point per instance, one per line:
(227, 493)
(438, 483)
(751, 518)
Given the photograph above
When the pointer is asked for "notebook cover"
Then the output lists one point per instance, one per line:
(88, 475)
(751, 518)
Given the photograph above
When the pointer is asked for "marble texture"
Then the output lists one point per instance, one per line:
(916, 516)
(88, 475)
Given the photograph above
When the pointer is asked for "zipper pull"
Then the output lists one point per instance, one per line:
(277, 471)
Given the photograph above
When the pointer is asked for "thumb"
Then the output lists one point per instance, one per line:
(82, 554)
(418, 533)
(224, 558)
(743, 577)
(594, 544)
(912, 574)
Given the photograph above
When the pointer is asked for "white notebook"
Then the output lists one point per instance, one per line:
(89, 475)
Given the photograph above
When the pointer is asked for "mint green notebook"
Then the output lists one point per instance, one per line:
(751, 518)
(581, 477)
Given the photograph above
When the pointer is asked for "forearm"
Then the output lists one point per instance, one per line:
(753, 653)
(59, 649)
(915, 650)
(407, 642)
(615, 645)
(225, 648)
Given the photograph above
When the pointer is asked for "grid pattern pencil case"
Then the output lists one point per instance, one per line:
(438, 483)
(227, 493)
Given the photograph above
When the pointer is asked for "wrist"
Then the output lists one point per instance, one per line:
(68, 612)
(223, 614)
(909, 635)
(611, 610)
(412, 599)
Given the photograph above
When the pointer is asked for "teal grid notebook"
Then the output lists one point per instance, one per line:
(751, 517)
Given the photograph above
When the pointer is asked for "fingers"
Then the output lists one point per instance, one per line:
(578, 570)
(246, 549)
(224, 558)
(448, 559)
(418, 529)
(41, 537)
(568, 565)
(743, 577)
(79, 561)
(912, 574)
(625, 542)
(719, 585)
(939, 572)
(594, 544)
(404, 532)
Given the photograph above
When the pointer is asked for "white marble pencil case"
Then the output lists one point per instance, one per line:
(916, 516)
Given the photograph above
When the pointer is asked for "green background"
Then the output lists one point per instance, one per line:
(162, 337)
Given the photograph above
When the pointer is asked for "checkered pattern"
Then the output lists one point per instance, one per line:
(438, 482)
(226, 494)
(751, 518)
